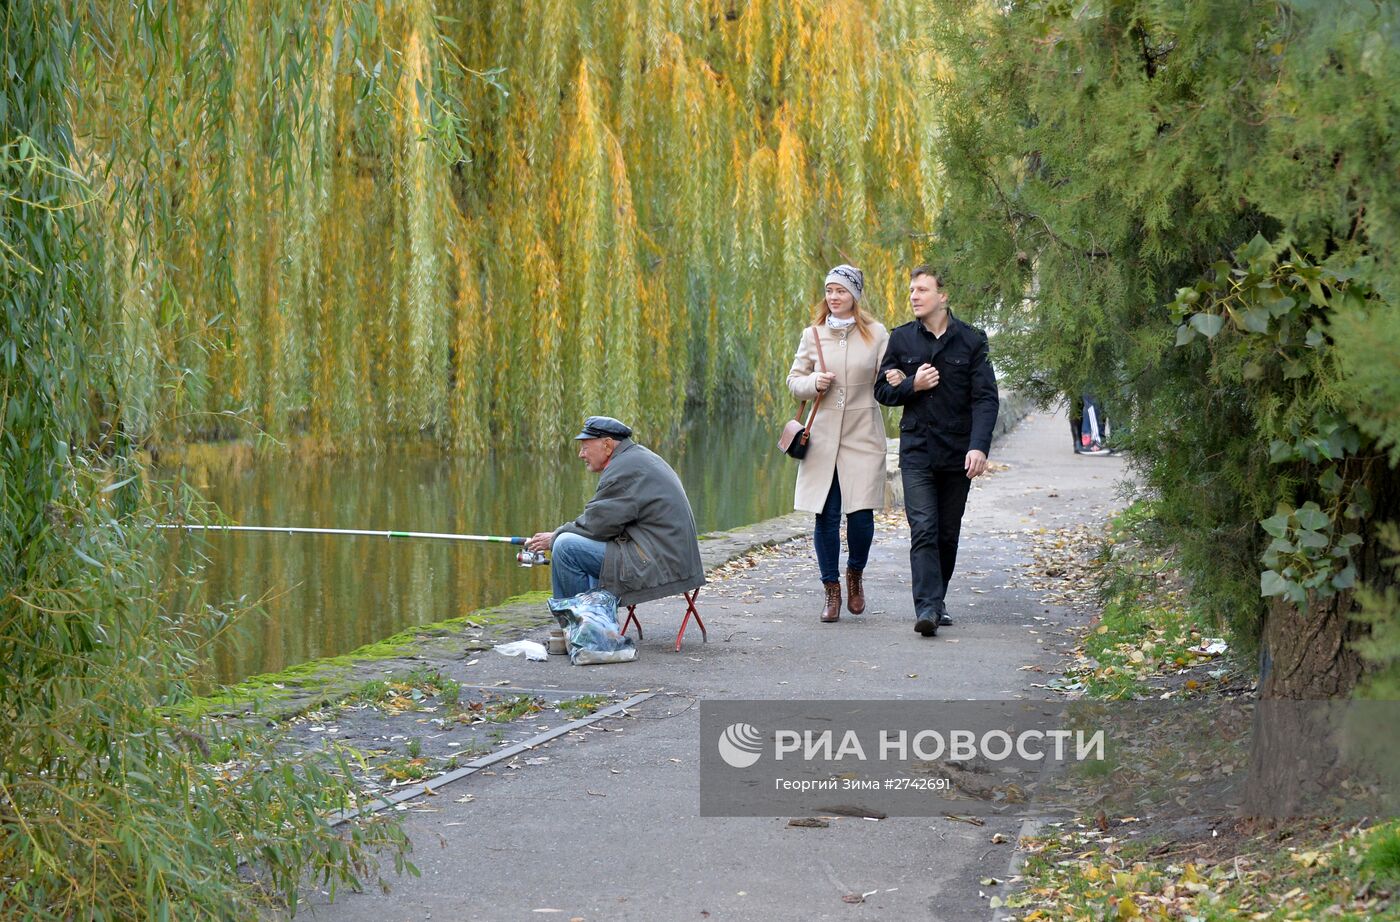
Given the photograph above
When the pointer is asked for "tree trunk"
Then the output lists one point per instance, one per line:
(1294, 759)
(1308, 651)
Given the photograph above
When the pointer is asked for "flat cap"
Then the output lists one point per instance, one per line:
(603, 427)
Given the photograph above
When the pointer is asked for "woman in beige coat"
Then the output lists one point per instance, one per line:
(844, 470)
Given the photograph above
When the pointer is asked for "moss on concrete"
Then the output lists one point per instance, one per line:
(285, 692)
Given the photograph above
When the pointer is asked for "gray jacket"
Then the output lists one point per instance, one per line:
(641, 511)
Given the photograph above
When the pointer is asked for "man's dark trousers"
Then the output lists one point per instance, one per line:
(933, 502)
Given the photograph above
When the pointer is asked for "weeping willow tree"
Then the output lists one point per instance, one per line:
(477, 222)
(109, 807)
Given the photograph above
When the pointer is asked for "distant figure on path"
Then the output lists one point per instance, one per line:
(844, 469)
(936, 368)
(636, 537)
(1091, 427)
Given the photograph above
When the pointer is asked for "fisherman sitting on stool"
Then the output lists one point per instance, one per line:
(636, 537)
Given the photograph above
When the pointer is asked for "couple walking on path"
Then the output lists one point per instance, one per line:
(936, 367)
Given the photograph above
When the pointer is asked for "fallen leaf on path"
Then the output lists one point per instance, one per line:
(809, 822)
(853, 898)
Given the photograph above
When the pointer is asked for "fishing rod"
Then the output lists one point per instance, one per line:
(526, 558)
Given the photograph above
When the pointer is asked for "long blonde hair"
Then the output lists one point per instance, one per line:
(863, 319)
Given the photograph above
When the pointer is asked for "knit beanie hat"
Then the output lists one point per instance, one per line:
(849, 278)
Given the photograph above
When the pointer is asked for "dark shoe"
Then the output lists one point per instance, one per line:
(855, 592)
(927, 625)
(943, 619)
(832, 612)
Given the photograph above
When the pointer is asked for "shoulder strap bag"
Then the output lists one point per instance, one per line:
(796, 433)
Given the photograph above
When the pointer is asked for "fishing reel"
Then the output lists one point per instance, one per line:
(528, 558)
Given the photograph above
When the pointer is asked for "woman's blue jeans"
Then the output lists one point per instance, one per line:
(860, 532)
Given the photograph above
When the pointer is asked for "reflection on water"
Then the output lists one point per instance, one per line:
(326, 595)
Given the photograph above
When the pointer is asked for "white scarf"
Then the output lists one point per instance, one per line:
(834, 324)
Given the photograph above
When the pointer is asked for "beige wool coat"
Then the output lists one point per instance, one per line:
(848, 436)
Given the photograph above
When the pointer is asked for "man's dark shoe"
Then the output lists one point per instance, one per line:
(927, 625)
(943, 619)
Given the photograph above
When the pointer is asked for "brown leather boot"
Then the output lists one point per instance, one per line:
(855, 592)
(832, 612)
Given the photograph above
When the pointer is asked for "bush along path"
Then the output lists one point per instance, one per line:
(1146, 641)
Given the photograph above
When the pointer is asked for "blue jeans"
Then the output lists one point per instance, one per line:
(860, 532)
(934, 502)
(574, 564)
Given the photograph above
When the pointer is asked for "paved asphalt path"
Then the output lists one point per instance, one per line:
(609, 826)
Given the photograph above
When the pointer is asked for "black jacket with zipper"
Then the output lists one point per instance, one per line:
(941, 425)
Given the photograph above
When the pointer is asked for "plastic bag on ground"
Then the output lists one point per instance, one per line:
(531, 649)
(589, 620)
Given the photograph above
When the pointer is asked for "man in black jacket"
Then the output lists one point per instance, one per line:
(936, 367)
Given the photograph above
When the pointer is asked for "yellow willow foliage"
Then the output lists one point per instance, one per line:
(423, 193)
(476, 223)
(585, 240)
(472, 341)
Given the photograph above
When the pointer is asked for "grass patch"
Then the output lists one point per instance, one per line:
(498, 710)
(1074, 876)
(582, 706)
(503, 712)
(1382, 860)
(1136, 640)
(422, 688)
(405, 769)
(1147, 631)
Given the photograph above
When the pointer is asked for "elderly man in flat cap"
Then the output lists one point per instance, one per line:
(636, 537)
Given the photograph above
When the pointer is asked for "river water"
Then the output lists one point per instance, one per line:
(316, 596)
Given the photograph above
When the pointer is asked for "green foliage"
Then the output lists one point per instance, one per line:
(1306, 555)
(1179, 207)
(109, 810)
(1380, 609)
(1365, 343)
(1382, 860)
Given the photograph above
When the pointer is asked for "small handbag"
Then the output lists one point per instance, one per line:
(796, 433)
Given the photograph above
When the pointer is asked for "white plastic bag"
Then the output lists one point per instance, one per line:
(532, 650)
